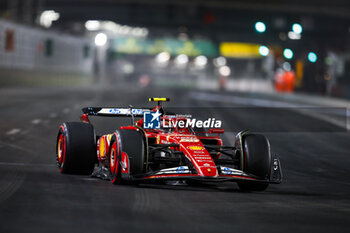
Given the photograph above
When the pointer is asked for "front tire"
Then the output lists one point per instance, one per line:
(76, 148)
(133, 145)
(128, 148)
(114, 159)
(256, 161)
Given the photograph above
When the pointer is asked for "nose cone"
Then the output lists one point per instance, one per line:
(201, 159)
(209, 170)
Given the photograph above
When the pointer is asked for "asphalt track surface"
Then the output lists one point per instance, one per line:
(35, 197)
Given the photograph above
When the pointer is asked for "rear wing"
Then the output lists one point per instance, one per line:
(115, 111)
(121, 111)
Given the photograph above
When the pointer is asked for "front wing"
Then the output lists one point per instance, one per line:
(225, 174)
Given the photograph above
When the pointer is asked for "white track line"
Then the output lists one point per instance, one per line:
(14, 146)
(36, 121)
(53, 115)
(66, 111)
(13, 131)
(27, 164)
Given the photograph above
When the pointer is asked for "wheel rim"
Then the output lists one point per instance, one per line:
(60, 149)
(113, 159)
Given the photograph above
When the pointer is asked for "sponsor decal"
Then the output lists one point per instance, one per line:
(189, 139)
(192, 123)
(122, 111)
(227, 170)
(102, 148)
(174, 170)
(199, 152)
(202, 157)
(164, 142)
(181, 170)
(115, 111)
(151, 120)
(231, 171)
(195, 148)
(137, 111)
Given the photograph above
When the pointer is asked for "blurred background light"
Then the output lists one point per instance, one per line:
(286, 66)
(47, 17)
(297, 28)
(114, 28)
(224, 71)
(294, 36)
(181, 59)
(312, 57)
(264, 51)
(220, 61)
(260, 27)
(183, 36)
(92, 25)
(100, 39)
(128, 68)
(201, 61)
(288, 53)
(163, 57)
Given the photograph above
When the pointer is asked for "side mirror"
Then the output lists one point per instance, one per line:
(84, 118)
(216, 130)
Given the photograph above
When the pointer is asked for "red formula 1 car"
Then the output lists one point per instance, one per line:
(139, 153)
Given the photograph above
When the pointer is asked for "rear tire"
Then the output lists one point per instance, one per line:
(256, 161)
(76, 148)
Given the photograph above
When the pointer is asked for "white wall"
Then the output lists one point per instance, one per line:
(29, 52)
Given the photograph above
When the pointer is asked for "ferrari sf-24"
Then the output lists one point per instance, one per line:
(136, 153)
